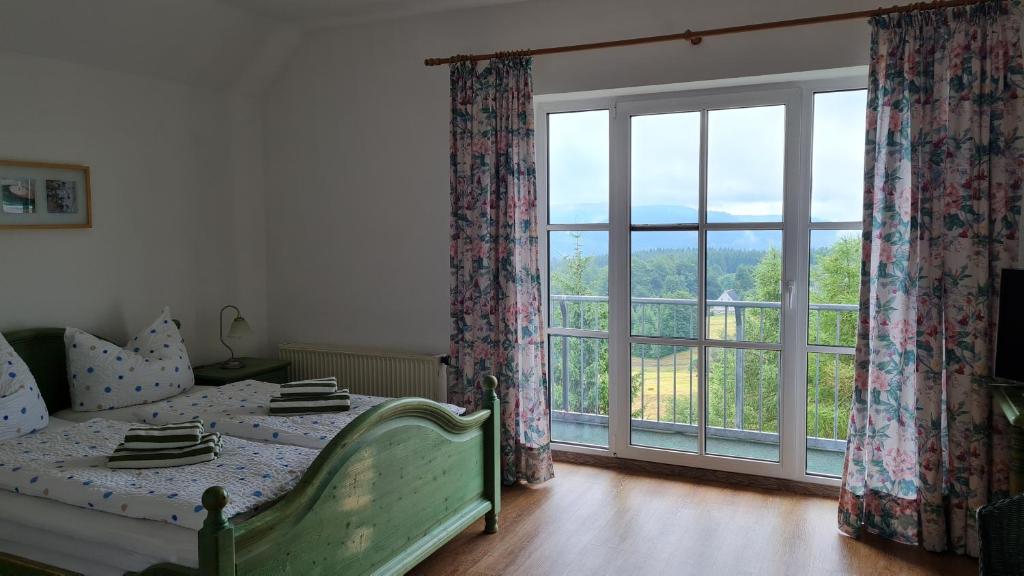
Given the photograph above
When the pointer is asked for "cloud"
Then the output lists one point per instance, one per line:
(746, 148)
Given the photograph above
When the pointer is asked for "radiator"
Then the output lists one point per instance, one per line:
(370, 372)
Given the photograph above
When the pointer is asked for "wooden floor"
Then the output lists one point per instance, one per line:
(594, 521)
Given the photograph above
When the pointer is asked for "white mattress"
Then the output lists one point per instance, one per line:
(89, 541)
(127, 414)
(241, 409)
(69, 466)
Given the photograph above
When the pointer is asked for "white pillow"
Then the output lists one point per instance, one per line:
(22, 409)
(152, 366)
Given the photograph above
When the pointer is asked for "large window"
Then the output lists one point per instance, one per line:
(703, 261)
(577, 241)
(837, 183)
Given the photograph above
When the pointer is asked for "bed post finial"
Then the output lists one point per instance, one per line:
(492, 453)
(217, 536)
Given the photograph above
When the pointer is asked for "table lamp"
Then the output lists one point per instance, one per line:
(239, 327)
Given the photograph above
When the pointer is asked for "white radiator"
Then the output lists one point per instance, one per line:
(370, 372)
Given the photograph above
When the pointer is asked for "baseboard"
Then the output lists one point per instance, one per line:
(701, 474)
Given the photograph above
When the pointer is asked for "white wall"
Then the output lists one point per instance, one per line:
(357, 140)
(177, 204)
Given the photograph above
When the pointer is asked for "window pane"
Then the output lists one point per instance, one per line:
(579, 389)
(578, 275)
(663, 280)
(743, 403)
(578, 171)
(663, 392)
(665, 168)
(834, 287)
(746, 162)
(837, 181)
(829, 398)
(744, 285)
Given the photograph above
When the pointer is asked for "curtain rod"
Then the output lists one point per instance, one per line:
(696, 37)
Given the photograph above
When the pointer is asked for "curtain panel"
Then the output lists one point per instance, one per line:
(943, 180)
(496, 322)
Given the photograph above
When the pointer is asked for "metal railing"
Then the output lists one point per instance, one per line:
(577, 370)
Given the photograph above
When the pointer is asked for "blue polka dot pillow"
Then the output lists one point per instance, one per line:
(152, 366)
(22, 409)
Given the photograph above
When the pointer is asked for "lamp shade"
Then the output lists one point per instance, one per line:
(239, 327)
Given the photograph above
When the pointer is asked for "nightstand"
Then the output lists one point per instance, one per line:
(262, 369)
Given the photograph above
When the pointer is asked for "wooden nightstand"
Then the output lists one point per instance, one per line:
(262, 369)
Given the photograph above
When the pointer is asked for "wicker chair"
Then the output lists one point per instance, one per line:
(1001, 525)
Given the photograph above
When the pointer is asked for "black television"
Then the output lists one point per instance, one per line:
(1010, 331)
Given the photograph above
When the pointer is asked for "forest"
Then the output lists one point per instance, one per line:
(664, 377)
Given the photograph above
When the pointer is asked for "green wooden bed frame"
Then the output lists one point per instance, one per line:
(395, 485)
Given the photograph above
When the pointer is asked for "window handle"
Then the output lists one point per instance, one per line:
(790, 288)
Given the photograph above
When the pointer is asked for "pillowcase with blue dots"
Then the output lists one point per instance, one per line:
(22, 409)
(151, 366)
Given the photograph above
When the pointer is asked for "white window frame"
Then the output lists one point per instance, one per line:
(798, 96)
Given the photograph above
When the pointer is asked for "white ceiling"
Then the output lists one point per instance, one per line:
(218, 44)
(197, 42)
(333, 12)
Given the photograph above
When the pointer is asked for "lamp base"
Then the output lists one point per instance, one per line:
(232, 364)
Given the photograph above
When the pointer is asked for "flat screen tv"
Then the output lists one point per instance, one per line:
(1010, 335)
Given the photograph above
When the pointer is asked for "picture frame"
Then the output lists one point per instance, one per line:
(44, 195)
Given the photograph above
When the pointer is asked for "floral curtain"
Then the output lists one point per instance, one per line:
(496, 322)
(942, 201)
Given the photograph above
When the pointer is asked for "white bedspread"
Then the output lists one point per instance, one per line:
(126, 414)
(89, 541)
(241, 409)
(68, 465)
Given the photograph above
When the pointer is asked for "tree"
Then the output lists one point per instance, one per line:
(835, 279)
(672, 273)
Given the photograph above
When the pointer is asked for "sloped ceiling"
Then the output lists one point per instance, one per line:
(197, 42)
(217, 44)
(332, 12)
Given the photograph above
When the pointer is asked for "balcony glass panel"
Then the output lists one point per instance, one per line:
(664, 395)
(743, 403)
(829, 399)
(579, 389)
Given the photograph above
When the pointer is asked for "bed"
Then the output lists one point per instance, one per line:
(394, 485)
(241, 409)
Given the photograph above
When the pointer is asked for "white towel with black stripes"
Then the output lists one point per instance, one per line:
(310, 387)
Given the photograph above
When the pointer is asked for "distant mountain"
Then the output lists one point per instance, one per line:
(562, 244)
(660, 214)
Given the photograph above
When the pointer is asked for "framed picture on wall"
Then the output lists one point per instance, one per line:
(44, 195)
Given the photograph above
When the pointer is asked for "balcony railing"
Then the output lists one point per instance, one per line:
(579, 365)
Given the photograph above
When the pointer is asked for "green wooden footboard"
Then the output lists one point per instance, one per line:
(395, 485)
(392, 487)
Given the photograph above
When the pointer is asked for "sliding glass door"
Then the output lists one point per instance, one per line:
(689, 275)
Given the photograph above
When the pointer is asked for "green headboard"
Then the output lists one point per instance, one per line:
(43, 350)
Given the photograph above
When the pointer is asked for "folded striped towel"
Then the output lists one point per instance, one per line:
(310, 404)
(180, 435)
(207, 449)
(310, 387)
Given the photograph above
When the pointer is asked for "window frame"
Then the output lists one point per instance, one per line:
(796, 226)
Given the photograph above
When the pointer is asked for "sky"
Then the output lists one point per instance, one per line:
(744, 172)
